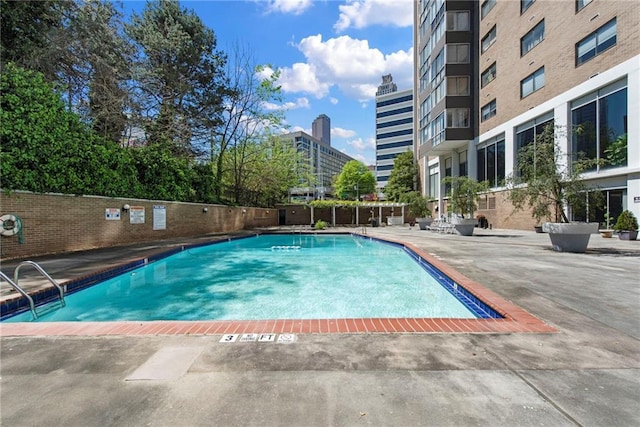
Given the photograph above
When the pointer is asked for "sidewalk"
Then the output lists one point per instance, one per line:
(587, 374)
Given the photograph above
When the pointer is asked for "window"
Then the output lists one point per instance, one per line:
(458, 21)
(489, 110)
(488, 75)
(489, 39)
(600, 127)
(580, 4)
(532, 38)
(487, 5)
(491, 162)
(597, 42)
(437, 130)
(529, 132)
(532, 82)
(524, 5)
(448, 162)
(458, 86)
(433, 181)
(462, 163)
(457, 117)
(457, 53)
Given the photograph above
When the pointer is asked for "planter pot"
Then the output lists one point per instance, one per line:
(628, 235)
(570, 237)
(538, 229)
(607, 234)
(423, 223)
(464, 226)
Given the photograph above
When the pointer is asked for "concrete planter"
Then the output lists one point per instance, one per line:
(607, 234)
(628, 235)
(464, 226)
(570, 237)
(423, 223)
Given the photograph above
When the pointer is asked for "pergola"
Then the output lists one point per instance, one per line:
(350, 204)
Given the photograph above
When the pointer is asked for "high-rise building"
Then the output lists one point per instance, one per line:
(321, 128)
(490, 75)
(324, 163)
(394, 127)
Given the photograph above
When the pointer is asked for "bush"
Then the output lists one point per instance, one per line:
(320, 225)
(626, 222)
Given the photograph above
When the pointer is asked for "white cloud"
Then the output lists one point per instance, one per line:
(351, 64)
(342, 133)
(361, 145)
(299, 103)
(333, 100)
(302, 77)
(294, 7)
(364, 13)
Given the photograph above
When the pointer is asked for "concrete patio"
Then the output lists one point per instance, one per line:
(587, 373)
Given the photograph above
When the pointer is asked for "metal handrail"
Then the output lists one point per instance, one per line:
(44, 273)
(22, 292)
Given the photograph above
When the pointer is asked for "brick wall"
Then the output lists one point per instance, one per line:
(54, 223)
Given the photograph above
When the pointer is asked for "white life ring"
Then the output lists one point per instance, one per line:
(4, 231)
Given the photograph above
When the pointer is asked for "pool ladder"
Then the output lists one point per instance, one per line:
(14, 284)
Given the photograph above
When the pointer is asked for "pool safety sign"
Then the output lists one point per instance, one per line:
(136, 215)
(159, 217)
(112, 214)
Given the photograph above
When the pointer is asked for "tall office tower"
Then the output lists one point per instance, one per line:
(321, 128)
(394, 127)
(574, 64)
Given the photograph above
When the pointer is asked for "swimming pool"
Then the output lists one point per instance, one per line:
(296, 276)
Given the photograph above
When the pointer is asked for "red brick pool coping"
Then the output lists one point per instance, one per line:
(516, 320)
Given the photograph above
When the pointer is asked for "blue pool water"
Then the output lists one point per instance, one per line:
(268, 277)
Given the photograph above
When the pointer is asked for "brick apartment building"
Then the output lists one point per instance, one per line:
(490, 75)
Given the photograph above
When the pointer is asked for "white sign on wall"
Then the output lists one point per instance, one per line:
(136, 215)
(112, 214)
(159, 217)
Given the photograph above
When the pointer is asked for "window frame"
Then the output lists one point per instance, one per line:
(456, 13)
(495, 73)
(457, 79)
(581, 4)
(493, 31)
(525, 4)
(534, 43)
(457, 46)
(532, 77)
(492, 109)
(488, 4)
(594, 35)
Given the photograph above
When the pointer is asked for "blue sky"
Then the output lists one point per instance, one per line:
(331, 54)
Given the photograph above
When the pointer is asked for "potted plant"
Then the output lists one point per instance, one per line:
(547, 181)
(627, 226)
(607, 232)
(463, 199)
(417, 206)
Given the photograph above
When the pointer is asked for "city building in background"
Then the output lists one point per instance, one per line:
(321, 129)
(394, 127)
(325, 162)
(490, 75)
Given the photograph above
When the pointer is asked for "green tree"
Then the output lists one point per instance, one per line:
(354, 181)
(547, 180)
(464, 194)
(179, 75)
(26, 31)
(245, 118)
(402, 177)
(44, 147)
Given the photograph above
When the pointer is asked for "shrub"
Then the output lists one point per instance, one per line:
(626, 222)
(320, 225)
